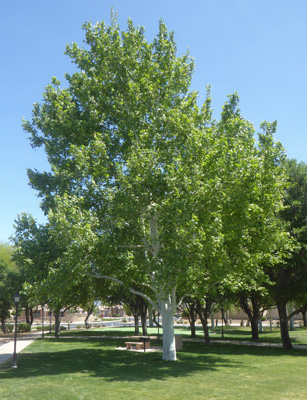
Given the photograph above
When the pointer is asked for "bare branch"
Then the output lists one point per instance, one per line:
(298, 310)
(155, 305)
(148, 286)
(108, 277)
(130, 289)
(133, 246)
(181, 299)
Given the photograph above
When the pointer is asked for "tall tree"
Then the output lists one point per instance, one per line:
(144, 187)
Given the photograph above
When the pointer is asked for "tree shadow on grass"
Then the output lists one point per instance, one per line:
(101, 359)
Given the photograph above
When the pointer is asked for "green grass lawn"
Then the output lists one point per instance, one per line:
(80, 368)
(298, 336)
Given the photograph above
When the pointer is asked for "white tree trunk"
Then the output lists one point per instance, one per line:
(169, 346)
(166, 303)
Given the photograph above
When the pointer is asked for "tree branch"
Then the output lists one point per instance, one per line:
(130, 289)
(298, 310)
(133, 246)
(155, 305)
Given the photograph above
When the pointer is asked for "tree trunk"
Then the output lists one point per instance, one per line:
(169, 346)
(136, 324)
(212, 321)
(189, 308)
(132, 302)
(304, 314)
(90, 311)
(87, 326)
(27, 314)
(3, 326)
(254, 321)
(143, 322)
(150, 321)
(224, 317)
(204, 313)
(290, 309)
(205, 328)
(166, 305)
(142, 308)
(253, 315)
(286, 341)
(57, 323)
(192, 327)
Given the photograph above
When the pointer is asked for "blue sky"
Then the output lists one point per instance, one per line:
(257, 48)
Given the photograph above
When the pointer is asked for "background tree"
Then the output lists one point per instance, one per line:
(9, 283)
(45, 279)
(290, 277)
(134, 304)
(34, 252)
(251, 293)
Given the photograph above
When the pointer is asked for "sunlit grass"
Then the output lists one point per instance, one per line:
(298, 336)
(94, 369)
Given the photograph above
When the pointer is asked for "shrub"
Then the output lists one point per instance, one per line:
(9, 327)
(46, 327)
(23, 328)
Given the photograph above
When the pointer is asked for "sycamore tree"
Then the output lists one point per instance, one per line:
(145, 188)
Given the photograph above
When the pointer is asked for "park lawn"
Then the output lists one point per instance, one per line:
(298, 336)
(92, 368)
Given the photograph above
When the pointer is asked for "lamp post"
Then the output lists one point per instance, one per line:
(16, 300)
(42, 321)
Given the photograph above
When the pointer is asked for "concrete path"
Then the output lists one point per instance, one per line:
(7, 347)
